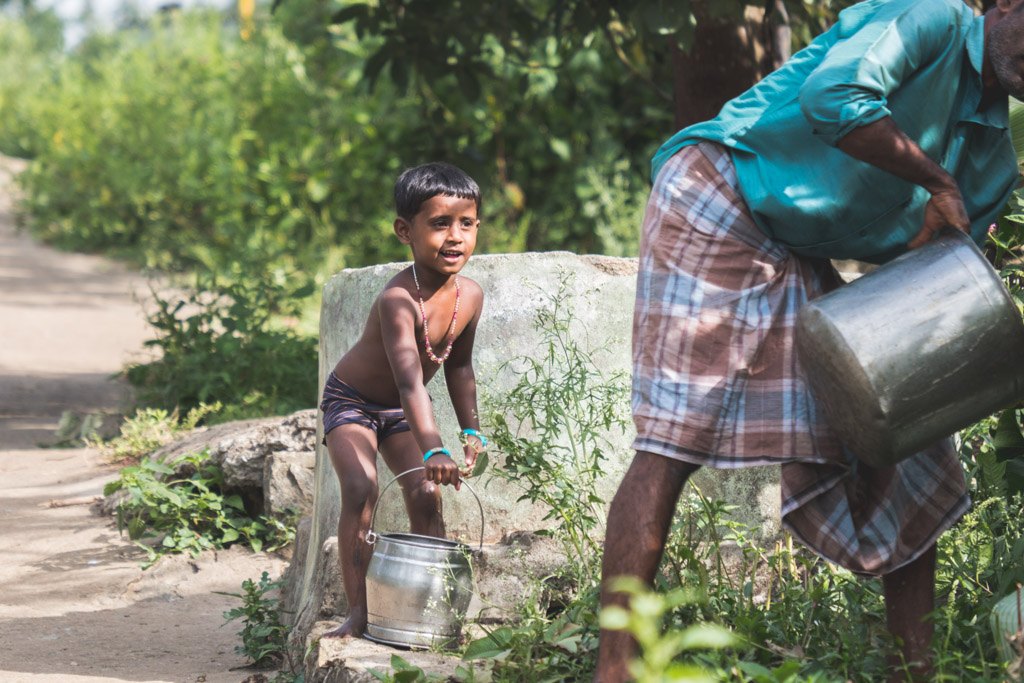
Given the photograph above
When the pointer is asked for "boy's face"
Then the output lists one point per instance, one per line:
(442, 234)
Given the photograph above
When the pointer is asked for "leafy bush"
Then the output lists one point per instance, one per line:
(29, 60)
(182, 147)
(188, 514)
(219, 343)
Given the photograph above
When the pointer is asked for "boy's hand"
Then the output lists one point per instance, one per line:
(441, 469)
(470, 451)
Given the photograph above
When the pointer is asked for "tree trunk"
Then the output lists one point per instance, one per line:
(725, 58)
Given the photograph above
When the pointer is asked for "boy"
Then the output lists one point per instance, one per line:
(376, 398)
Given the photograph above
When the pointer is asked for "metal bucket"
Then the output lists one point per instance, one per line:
(914, 351)
(418, 588)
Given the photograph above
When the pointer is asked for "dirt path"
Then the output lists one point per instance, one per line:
(74, 605)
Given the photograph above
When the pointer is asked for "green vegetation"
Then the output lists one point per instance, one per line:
(222, 342)
(659, 650)
(264, 637)
(562, 407)
(165, 513)
(252, 167)
(147, 430)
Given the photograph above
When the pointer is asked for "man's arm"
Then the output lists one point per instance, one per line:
(398, 330)
(884, 145)
(845, 99)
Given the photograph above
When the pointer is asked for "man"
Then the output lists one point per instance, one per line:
(888, 127)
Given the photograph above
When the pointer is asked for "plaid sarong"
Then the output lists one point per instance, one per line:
(716, 380)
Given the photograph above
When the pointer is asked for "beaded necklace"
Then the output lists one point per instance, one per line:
(426, 330)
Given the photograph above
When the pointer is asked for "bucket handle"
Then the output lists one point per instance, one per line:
(371, 537)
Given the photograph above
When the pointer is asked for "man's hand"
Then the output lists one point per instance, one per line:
(945, 208)
(441, 469)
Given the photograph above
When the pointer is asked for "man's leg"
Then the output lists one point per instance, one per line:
(639, 520)
(909, 601)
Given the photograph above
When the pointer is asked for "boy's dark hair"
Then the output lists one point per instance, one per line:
(417, 185)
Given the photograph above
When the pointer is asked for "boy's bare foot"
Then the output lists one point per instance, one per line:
(354, 627)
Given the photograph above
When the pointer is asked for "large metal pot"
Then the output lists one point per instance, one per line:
(418, 588)
(914, 351)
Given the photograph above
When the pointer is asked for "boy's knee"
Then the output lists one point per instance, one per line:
(357, 492)
(424, 496)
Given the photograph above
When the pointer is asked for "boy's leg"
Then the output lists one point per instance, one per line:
(353, 451)
(639, 520)
(422, 498)
(909, 601)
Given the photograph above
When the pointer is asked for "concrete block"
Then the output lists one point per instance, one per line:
(351, 660)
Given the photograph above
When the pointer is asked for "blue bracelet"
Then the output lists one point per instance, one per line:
(435, 451)
(477, 434)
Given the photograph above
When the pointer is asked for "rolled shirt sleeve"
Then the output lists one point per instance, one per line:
(875, 52)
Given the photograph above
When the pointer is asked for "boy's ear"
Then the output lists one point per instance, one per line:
(403, 230)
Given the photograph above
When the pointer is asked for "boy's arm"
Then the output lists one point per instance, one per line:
(461, 379)
(398, 330)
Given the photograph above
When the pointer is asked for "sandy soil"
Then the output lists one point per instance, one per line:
(74, 603)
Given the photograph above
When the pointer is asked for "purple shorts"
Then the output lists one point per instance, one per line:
(343, 405)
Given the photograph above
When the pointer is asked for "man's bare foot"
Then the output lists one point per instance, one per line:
(354, 627)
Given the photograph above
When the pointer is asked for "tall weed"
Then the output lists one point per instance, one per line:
(264, 637)
(552, 429)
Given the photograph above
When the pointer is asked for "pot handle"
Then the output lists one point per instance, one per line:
(371, 536)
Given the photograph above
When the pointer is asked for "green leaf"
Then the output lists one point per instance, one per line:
(614, 618)
(560, 148)
(706, 636)
(1015, 475)
(235, 501)
(317, 189)
(491, 646)
(786, 670)
(1017, 127)
(136, 528)
(755, 671)
(158, 467)
(480, 465)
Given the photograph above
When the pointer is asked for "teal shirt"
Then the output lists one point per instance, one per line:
(918, 61)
